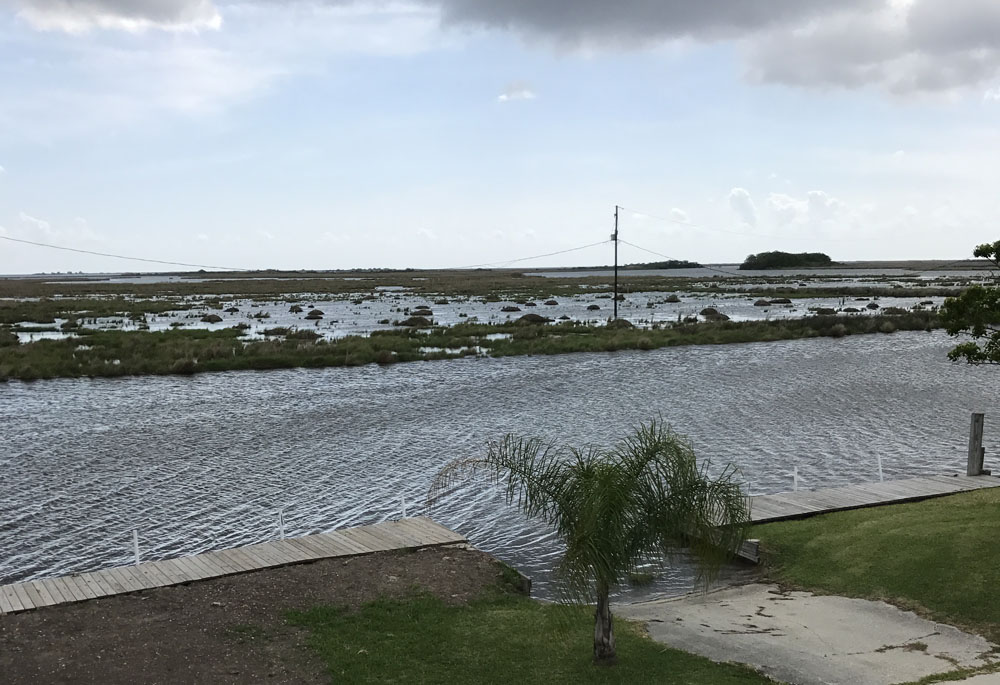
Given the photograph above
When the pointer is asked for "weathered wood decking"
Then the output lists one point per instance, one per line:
(793, 505)
(404, 534)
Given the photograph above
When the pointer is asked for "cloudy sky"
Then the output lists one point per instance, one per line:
(447, 133)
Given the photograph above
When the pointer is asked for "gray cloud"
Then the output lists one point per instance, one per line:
(900, 46)
(906, 47)
(628, 21)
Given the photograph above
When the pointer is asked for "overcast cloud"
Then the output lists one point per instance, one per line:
(901, 46)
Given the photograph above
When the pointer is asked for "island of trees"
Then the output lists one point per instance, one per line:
(785, 260)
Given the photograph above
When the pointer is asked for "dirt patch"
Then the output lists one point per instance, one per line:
(225, 630)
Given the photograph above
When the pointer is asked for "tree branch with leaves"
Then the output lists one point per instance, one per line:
(976, 314)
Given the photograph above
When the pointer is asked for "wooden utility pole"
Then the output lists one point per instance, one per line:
(614, 237)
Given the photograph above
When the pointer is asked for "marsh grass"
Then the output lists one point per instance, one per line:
(491, 285)
(47, 310)
(181, 350)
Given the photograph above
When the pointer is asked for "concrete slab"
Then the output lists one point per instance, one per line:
(809, 639)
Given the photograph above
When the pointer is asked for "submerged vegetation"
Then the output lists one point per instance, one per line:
(187, 351)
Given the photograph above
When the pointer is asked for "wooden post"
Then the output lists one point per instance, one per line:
(976, 450)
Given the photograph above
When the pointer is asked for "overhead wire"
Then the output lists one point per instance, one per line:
(525, 259)
(709, 268)
(118, 256)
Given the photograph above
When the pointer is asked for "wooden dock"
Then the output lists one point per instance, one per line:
(803, 503)
(407, 533)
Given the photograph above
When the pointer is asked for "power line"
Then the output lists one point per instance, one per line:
(524, 259)
(118, 256)
(709, 268)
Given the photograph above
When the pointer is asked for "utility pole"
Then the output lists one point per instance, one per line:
(614, 237)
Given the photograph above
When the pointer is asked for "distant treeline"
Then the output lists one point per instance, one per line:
(669, 264)
(643, 266)
(785, 260)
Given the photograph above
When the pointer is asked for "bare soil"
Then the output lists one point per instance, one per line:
(225, 630)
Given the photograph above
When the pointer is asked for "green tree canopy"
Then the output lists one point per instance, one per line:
(616, 509)
(785, 260)
(976, 314)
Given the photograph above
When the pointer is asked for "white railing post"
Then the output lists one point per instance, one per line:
(135, 544)
(281, 524)
(402, 504)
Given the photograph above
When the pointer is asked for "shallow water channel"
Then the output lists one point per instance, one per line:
(206, 462)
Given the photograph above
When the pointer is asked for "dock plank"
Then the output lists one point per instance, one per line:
(23, 597)
(5, 605)
(407, 533)
(11, 596)
(801, 504)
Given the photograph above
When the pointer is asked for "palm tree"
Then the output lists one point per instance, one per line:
(615, 509)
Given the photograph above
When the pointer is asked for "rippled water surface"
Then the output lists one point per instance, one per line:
(205, 462)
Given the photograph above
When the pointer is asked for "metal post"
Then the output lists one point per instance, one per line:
(281, 524)
(402, 504)
(795, 478)
(615, 238)
(881, 478)
(976, 450)
(135, 544)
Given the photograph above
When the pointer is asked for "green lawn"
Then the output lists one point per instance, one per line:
(940, 557)
(503, 639)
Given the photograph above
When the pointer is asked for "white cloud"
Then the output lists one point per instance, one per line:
(992, 94)
(817, 210)
(203, 237)
(79, 16)
(266, 235)
(2, 170)
(516, 91)
(742, 203)
(72, 234)
(35, 224)
(786, 209)
(679, 215)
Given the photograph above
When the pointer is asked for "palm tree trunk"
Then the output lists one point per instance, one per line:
(604, 635)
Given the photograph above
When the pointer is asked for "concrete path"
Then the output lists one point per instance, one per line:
(809, 639)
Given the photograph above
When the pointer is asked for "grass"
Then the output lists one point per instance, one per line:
(500, 639)
(938, 557)
(46, 310)
(491, 284)
(188, 351)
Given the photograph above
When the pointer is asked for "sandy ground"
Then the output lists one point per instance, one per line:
(226, 630)
(810, 639)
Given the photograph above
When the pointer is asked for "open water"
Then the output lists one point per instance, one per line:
(206, 462)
